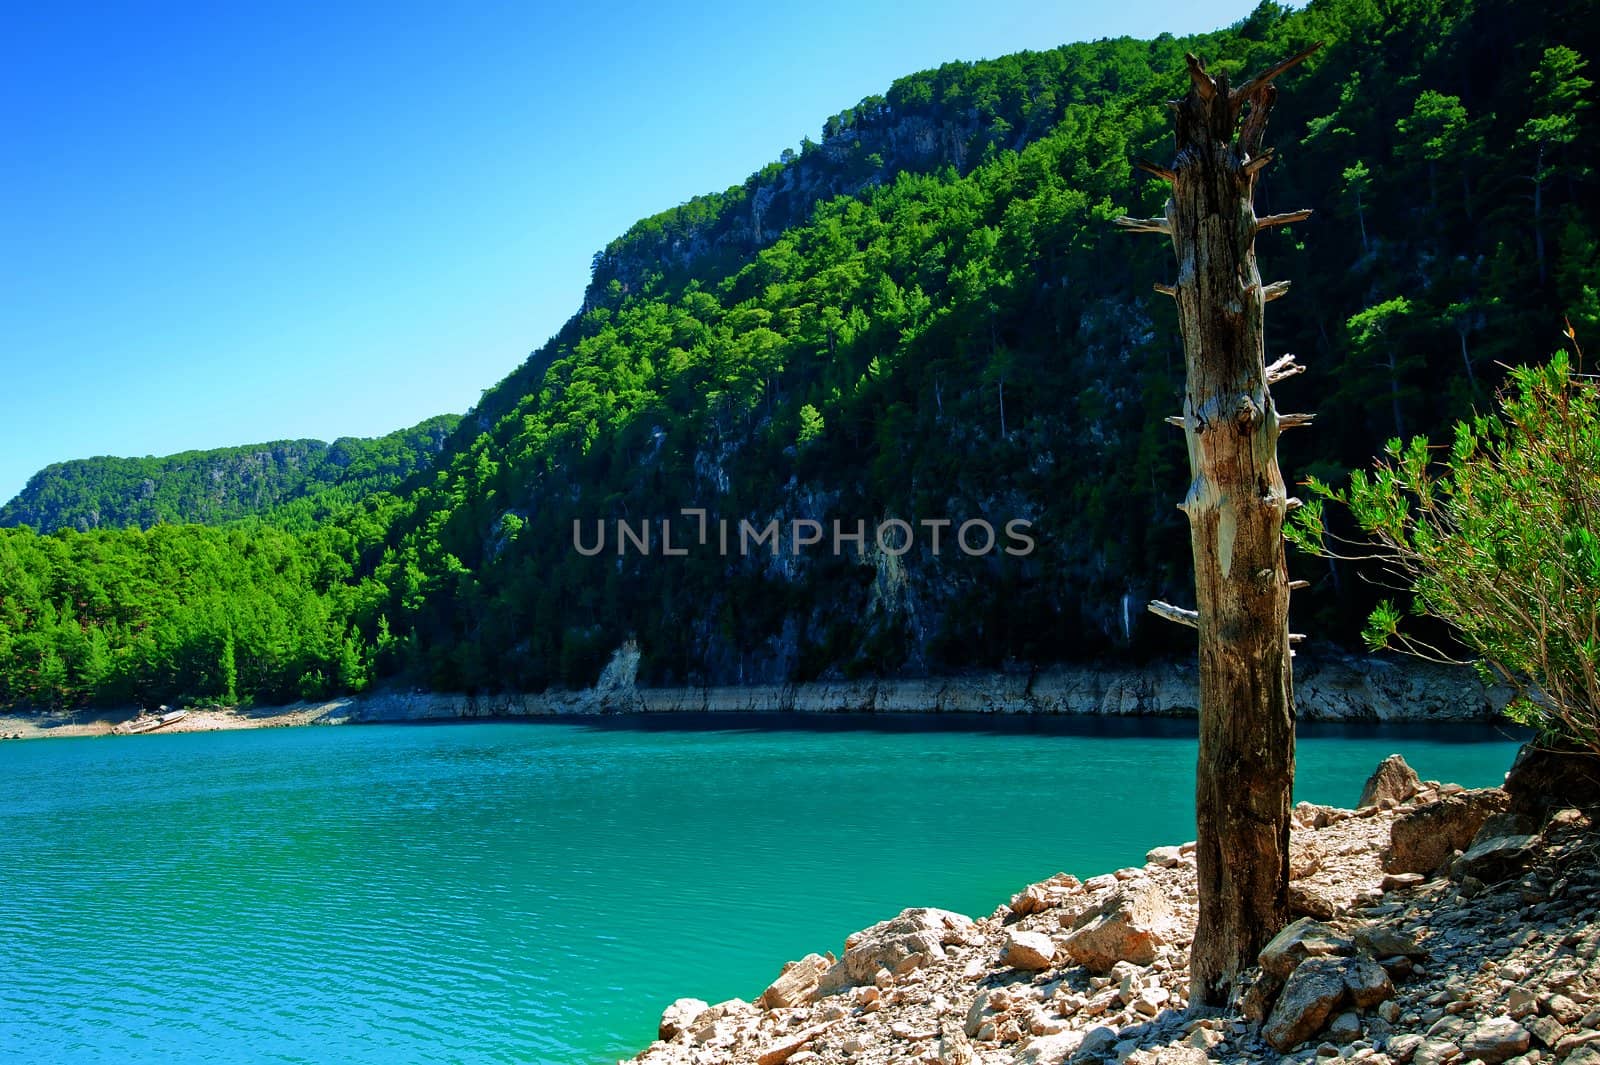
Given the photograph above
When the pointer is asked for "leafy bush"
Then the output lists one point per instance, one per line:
(1501, 541)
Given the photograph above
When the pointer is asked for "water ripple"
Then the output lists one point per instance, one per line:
(505, 893)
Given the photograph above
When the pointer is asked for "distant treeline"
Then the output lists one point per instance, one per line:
(291, 483)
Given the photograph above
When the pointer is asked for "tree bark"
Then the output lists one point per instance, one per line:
(1236, 506)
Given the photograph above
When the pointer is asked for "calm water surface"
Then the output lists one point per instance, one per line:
(538, 892)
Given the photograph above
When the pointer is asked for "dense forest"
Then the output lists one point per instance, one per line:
(924, 316)
(290, 483)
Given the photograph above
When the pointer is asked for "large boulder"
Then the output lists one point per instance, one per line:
(1165, 857)
(1318, 989)
(1495, 859)
(1031, 951)
(1031, 899)
(1495, 1040)
(797, 984)
(885, 945)
(1128, 926)
(1423, 839)
(679, 1016)
(1542, 781)
(1300, 940)
(1393, 780)
(1313, 992)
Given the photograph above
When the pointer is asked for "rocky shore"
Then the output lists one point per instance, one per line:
(66, 724)
(1329, 686)
(1435, 926)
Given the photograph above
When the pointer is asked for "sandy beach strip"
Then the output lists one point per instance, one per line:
(63, 724)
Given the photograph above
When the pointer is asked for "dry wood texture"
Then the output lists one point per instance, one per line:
(1236, 505)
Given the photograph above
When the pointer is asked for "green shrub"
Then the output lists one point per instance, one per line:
(1500, 540)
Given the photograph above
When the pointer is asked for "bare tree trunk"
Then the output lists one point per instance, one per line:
(1236, 506)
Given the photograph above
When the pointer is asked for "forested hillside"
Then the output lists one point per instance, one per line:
(961, 333)
(927, 315)
(133, 616)
(288, 482)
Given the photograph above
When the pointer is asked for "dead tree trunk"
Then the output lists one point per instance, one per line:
(1236, 505)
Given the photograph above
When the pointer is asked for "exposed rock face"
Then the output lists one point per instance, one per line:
(1329, 687)
(1423, 839)
(1393, 781)
(1422, 972)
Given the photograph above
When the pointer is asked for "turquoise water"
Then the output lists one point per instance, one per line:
(538, 892)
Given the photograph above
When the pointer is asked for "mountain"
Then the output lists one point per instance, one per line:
(286, 482)
(927, 316)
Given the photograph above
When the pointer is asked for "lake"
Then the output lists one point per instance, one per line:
(538, 892)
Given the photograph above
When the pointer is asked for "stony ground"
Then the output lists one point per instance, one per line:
(1407, 950)
(200, 719)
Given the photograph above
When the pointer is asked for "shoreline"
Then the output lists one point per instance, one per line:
(1430, 925)
(82, 723)
(1329, 687)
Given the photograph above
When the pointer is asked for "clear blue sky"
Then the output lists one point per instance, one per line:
(226, 223)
